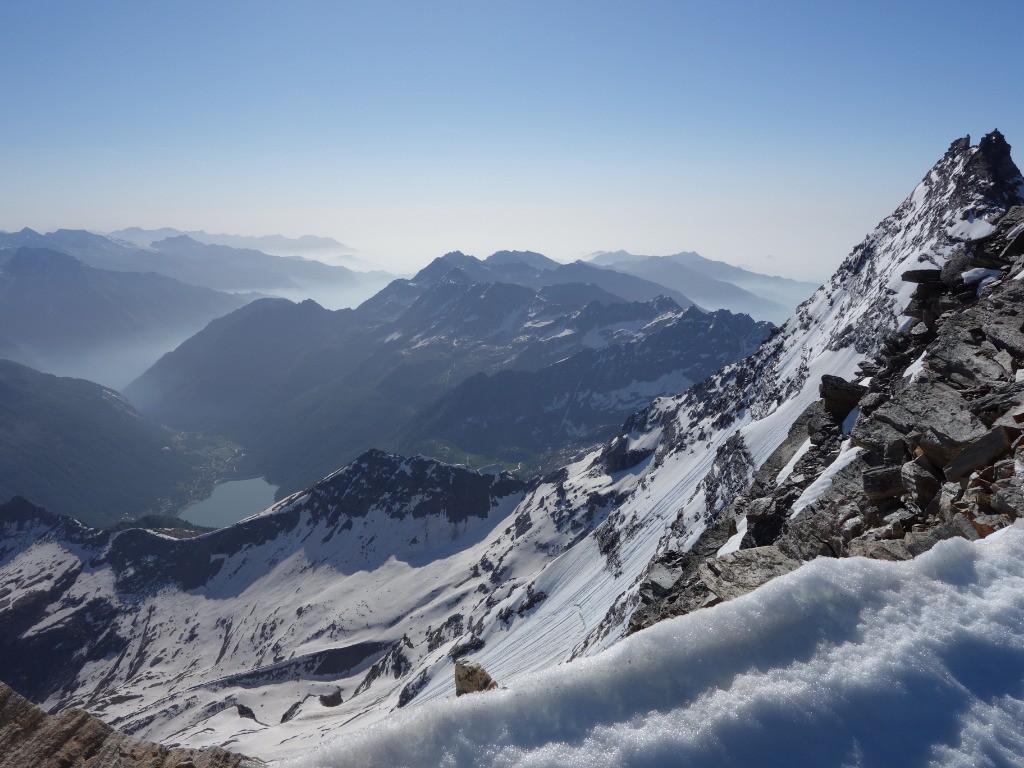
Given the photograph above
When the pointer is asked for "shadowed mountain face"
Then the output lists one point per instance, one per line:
(82, 450)
(304, 389)
(516, 416)
(71, 318)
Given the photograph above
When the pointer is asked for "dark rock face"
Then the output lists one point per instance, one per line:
(74, 739)
(840, 396)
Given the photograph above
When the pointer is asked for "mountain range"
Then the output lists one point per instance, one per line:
(67, 317)
(303, 389)
(311, 246)
(216, 266)
(882, 422)
(714, 283)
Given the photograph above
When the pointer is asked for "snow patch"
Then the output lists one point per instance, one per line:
(824, 482)
(736, 539)
(787, 470)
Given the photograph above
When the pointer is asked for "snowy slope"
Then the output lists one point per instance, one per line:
(847, 663)
(319, 595)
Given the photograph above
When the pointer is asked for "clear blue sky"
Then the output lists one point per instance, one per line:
(743, 130)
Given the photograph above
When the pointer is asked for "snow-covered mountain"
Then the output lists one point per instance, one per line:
(273, 375)
(354, 598)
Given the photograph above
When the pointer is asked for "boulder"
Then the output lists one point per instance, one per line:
(839, 395)
(888, 549)
(921, 481)
(743, 571)
(1008, 501)
(882, 483)
(470, 677)
(331, 699)
(977, 453)
(1007, 337)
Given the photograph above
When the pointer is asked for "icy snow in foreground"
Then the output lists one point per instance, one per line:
(846, 663)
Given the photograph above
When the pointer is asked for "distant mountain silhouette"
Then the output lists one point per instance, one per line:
(715, 284)
(73, 318)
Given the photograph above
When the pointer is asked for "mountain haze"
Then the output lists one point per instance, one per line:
(715, 284)
(68, 317)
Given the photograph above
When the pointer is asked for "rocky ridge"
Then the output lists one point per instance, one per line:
(75, 739)
(927, 445)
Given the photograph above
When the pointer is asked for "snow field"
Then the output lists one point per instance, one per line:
(850, 662)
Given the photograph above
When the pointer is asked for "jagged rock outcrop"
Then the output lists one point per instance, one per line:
(75, 739)
(470, 677)
(936, 449)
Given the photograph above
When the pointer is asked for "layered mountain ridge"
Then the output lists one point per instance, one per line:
(89, 322)
(304, 389)
(316, 627)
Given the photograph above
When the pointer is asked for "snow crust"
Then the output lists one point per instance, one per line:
(840, 663)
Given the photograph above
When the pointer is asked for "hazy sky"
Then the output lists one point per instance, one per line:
(773, 134)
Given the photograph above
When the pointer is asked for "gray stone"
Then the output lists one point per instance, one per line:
(890, 549)
(470, 677)
(839, 395)
(921, 481)
(953, 356)
(738, 573)
(661, 579)
(876, 437)
(883, 483)
(1006, 336)
(918, 543)
(1008, 501)
(978, 453)
(962, 525)
(935, 417)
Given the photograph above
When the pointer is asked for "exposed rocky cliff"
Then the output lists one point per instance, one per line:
(927, 445)
(75, 739)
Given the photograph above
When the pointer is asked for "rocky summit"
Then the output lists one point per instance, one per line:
(926, 445)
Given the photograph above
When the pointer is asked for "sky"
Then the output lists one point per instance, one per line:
(772, 135)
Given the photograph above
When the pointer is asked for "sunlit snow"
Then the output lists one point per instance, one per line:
(846, 663)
